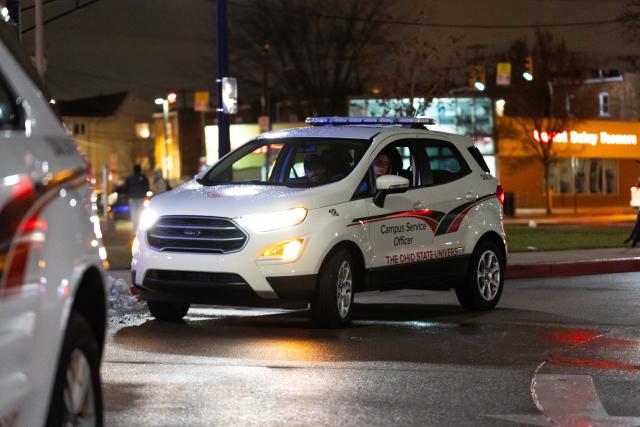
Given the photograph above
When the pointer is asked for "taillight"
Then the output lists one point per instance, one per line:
(500, 194)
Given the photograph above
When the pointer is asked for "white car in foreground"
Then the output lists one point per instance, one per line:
(52, 294)
(313, 215)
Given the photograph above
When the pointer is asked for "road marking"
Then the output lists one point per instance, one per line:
(567, 400)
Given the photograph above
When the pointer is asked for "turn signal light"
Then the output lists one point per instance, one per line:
(285, 251)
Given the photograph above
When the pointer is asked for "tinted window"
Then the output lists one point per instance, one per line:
(292, 162)
(10, 111)
(444, 162)
(10, 40)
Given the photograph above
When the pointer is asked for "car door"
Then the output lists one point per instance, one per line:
(449, 191)
(18, 300)
(401, 231)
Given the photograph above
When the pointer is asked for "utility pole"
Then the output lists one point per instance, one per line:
(224, 144)
(39, 39)
(265, 101)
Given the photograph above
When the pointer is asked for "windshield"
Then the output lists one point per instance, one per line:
(291, 162)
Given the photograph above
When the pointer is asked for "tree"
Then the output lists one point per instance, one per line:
(533, 121)
(631, 20)
(315, 49)
(417, 64)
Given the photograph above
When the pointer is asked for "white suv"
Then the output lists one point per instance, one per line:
(318, 213)
(52, 295)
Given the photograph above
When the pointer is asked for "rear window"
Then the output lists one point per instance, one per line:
(475, 153)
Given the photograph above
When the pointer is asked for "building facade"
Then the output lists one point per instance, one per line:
(111, 130)
(595, 151)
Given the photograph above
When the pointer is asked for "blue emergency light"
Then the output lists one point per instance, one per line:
(338, 121)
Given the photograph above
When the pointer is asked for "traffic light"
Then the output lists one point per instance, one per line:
(528, 68)
(477, 78)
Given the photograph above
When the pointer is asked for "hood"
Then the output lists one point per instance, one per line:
(231, 201)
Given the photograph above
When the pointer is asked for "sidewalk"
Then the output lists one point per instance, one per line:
(525, 265)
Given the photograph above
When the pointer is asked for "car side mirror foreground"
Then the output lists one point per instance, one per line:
(389, 184)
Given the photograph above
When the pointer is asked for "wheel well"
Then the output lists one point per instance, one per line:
(495, 238)
(90, 303)
(357, 256)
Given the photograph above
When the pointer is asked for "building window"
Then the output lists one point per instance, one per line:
(568, 104)
(142, 130)
(584, 176)
(604, 104)
(79, 129)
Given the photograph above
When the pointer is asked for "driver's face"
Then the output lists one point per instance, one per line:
(315, 175)
(381, 165)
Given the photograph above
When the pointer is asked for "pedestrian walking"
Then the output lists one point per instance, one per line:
(136, 187)
(634, 237)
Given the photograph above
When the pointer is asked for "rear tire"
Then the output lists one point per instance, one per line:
(332, 302)
(77, 396)
(483, 286)
(167, 311)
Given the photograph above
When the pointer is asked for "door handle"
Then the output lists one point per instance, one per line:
(419, 206)
(470, 196)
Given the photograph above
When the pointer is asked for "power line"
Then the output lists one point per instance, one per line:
(107, 78)
(428, 25)
(28, 8)
(62, 15)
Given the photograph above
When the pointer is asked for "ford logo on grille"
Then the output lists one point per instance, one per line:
(192, 233)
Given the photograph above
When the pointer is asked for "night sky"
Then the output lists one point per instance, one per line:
(152, 45)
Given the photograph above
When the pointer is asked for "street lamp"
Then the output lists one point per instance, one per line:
(171, 98)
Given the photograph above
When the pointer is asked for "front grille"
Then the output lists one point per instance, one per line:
(196, 234)
(195, 277)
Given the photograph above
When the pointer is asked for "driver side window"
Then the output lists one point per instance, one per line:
(396, 158)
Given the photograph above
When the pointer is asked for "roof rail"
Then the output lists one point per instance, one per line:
(414, 122)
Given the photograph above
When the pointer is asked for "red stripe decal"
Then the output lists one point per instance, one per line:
(22, 229)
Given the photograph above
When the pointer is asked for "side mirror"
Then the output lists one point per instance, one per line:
(389, 184)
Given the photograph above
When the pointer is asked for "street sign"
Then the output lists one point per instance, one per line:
(503, 74)
(201, 102)
(229, 95)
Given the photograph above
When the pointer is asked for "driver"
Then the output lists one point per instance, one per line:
(315, 168)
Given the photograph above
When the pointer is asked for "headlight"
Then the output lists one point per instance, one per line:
(284, 251)
(274, 220)
(147, 219)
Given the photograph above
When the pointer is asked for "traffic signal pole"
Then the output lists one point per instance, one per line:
(223, 118)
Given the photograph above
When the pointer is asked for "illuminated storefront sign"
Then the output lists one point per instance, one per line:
(587, 138)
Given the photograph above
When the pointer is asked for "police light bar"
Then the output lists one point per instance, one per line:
(337, 121)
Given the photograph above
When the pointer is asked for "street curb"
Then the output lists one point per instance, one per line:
(577, 268)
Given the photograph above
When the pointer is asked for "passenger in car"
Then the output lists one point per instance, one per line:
(315, 169)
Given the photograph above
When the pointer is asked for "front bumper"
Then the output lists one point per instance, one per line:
(222, 289)
(230, 279)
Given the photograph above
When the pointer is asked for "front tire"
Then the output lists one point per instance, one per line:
(483, 286)
(167, 311)
(332, 301)
(77, 396)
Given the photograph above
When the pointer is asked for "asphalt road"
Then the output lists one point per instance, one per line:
(563, 351)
